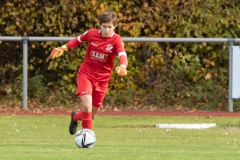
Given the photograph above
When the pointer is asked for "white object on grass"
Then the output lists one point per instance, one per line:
(187, 126)
(235, 72)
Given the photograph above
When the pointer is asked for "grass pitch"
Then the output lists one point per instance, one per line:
(120, 137)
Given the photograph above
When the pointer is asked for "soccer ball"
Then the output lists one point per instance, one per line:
(85, 138)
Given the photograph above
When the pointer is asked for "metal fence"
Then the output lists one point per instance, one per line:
(25, 40)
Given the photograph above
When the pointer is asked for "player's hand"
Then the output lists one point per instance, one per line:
(57, 52)
(121, 70)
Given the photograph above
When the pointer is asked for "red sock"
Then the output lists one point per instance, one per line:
(77, 116)
(87, 120)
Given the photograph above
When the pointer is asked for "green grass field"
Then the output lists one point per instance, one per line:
(120, 137)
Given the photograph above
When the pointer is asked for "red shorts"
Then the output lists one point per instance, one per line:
(87, 86)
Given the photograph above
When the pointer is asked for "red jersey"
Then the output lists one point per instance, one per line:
(100, 54)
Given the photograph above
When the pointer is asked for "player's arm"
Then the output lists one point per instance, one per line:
(57, 52)
(122, 68)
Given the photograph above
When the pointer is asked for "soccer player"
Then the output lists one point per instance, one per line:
(94, 73)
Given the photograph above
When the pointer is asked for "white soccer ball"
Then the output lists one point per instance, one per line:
(85, 138)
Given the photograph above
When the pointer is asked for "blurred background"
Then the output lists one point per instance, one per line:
(161, 76)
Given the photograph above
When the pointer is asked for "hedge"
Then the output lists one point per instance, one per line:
(185, 76)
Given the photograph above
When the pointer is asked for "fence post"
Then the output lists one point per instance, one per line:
(25, 74)
(230, 100)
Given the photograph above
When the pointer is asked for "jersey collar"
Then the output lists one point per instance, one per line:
(111, 34)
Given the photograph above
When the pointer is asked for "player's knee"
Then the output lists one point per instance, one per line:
(86, 108)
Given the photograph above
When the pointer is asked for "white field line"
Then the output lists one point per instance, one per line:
(187, 126)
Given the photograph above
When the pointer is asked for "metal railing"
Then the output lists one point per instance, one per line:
(178, 40)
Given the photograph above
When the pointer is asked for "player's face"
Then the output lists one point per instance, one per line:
(107, 29)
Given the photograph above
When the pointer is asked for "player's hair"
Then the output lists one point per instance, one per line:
(107, 17)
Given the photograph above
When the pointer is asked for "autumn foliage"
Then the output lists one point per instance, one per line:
(182, 76)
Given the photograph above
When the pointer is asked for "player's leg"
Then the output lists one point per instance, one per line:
(86, 113)
(85, 116)
(95, 111)
(84, 90)
(78, 115)
(98, 95)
